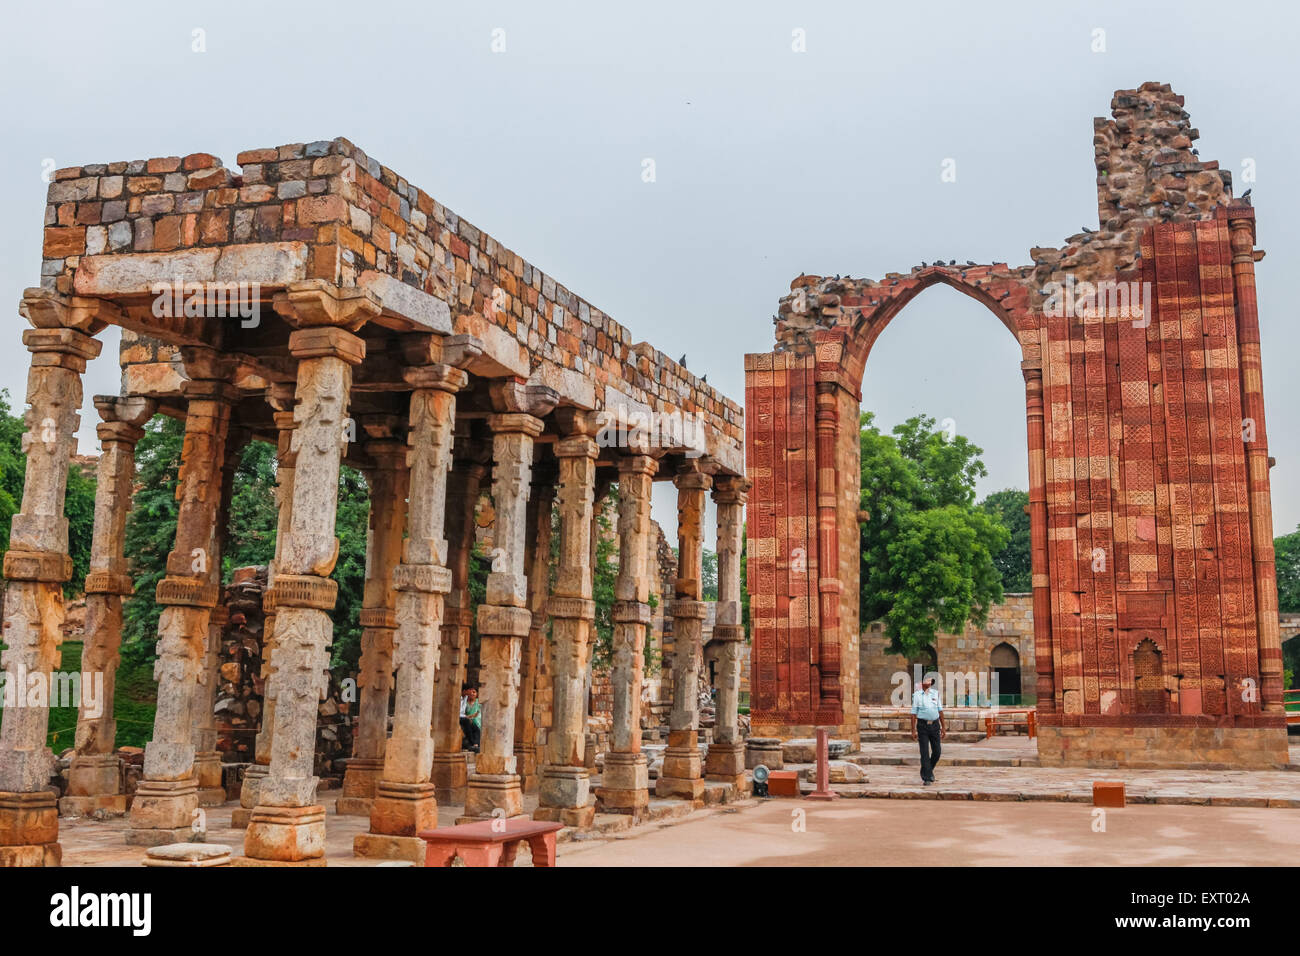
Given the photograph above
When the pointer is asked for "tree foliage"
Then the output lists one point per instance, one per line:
(1013, 561)
(1287, 551)
(151, 533)
(927, 550)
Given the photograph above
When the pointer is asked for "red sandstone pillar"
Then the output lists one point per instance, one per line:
(1257, 463)
(1043, 656)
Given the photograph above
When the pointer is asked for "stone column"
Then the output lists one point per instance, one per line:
(682, 767)
(404, 799)
(207, 760)
(280, 398)
(726, 757)
(287, 825)
(625, 781)
(566, 782)
(94, 778)
(450, 772)
(504, 619)
(1258, 463)
(35, 567)
(388, 482)
(537, 567)
(162, 810)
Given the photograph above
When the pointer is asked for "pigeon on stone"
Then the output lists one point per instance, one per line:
(1087, 230)
(682, 361)
(1246, 193)
(924, 264)
(704, 378)
(970, 262)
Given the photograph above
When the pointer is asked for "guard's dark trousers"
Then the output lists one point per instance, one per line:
(927, 734)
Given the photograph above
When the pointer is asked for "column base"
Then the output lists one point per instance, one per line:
(94, 776)
(488, 792)
(682, 771)
(29, 829)
(251, 786)
(565, 794)
(766, 751)
(165, 806)
(403, 809)
(625, 784)
(42, 854)
(239, 818)
(207, 774)
(360, 780)
(450, 777)
(285, 835)
(529, 770)
(386, 846)
(725, 762)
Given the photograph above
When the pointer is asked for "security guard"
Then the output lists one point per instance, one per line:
(927, 718)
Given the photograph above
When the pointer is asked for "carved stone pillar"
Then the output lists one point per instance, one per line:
(726, 756)
(163, 808)
(450, 772)
(504, 619)
(280, 398)
(404, 799)
(681, 776)
(287, 825)
(388, 482)
(540, 504)
(35, 567)
(566, 782)
(625, 782)
(94, 778)
(1242, 244)
(207, 760)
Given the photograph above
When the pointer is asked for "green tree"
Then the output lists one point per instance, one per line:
(927, 550)
(151, 534)
(1287, 552)
(78, 504)
(1013, 561)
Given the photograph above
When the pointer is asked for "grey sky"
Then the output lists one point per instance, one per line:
(768, 162)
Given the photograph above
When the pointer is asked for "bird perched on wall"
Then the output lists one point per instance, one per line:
(1246, 193)
(682, 361)
(704, 378)
(970, 262)
(1087, 230)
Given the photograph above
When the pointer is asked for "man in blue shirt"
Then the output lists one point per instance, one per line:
(927, 725)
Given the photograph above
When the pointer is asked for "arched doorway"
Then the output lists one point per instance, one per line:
(1004, 664)
(1149, 693)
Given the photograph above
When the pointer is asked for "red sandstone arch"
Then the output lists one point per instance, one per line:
(1150, 518)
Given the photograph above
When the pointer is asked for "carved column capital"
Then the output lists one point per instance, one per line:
(445, 378)
(317, 303)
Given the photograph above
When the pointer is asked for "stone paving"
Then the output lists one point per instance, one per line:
(1004, 768)
(907, 833)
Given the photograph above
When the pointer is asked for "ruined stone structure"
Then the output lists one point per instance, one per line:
(1154, 595)
(1005, 644)
(317, 300)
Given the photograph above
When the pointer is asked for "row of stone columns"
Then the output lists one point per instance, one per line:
(415, 584)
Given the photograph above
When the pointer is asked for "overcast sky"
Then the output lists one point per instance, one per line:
(768, 161)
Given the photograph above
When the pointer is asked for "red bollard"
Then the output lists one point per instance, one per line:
(823, 791)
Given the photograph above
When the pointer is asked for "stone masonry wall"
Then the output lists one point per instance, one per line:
(348, 215)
